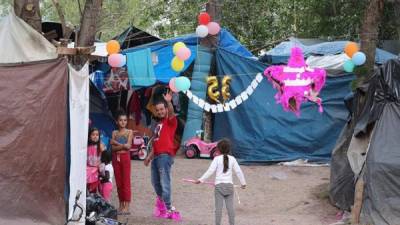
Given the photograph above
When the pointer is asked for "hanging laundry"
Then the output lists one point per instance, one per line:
(140, 68)
(135, 107)
(116, 80)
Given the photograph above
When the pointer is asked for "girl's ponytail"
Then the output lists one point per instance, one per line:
(226, 163)
(224, 147)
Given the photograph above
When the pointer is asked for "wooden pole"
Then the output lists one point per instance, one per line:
(358, 200)
(213, 8)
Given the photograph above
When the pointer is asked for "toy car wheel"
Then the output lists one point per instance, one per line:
(142, 154)
(214, 153)
(191, 152)
(133, 156)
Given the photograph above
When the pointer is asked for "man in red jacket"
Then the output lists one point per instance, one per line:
(163, 152)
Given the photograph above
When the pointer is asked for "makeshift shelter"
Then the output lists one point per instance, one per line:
(372, 153)
(259, 129)
(133, 36)
(44, 116)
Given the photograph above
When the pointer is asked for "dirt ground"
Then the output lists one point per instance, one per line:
(276, 195)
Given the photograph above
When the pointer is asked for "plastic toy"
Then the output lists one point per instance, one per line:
(196, 147)
(139, 146)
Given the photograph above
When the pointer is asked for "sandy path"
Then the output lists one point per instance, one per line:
(275, 195)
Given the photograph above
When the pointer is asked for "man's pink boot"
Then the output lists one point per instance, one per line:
(160, 210)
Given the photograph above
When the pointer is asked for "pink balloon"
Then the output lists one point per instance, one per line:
(114, 60)
(213, 28)
(172, 85)
(183, 54)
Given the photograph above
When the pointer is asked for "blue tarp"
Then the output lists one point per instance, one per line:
(281, 52)
(99, 114)
(261, 131)
(201, 70)
(163, 55)
(163, 50)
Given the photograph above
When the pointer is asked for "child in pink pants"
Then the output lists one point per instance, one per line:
(106, 175)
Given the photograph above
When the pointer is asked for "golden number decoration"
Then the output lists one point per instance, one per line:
(213, 93)
(226, 82)
(212, 90)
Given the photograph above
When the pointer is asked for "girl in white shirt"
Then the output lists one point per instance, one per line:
(224, 190)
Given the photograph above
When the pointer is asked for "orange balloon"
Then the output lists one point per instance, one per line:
(351, 48)
(112, 47)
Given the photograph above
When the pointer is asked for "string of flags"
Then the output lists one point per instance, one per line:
(227, 106)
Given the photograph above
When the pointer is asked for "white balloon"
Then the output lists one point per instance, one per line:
(202, 31)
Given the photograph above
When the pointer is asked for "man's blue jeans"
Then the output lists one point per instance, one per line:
(161, 177)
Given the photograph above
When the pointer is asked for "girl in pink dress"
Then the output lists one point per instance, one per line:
(94, 150)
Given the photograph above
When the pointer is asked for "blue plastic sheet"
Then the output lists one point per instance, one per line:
(281, 52)
(261, 131)
(163, 52)
(201, 70)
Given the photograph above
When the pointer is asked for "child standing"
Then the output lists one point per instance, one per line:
(106, 175)
(94, 150)
(224, 189)
(121, 161)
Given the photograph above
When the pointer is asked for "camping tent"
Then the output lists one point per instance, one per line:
(372, 152)
(44, 112)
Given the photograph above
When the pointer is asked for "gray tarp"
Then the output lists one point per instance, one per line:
(381, 204)
(382, 171)
(33, 107)
(341, 188)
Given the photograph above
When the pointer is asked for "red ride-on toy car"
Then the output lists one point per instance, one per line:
(139, 146)
(196, 147)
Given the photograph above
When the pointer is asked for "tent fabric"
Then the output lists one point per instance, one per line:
(162, 56)
(133, 36)
(201, 70)
(281, 52)
(262, 132)
(162, 52)
(14, 33)
(79, 123)
(140, 68)
(333, 64)
(229, 43)
(99, 113)
(342, 179)
(381, 203)
(381, 170)
(33, 115)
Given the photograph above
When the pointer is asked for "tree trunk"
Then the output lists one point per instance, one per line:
(214, 10)
(369, 39)
(370, 32)
(397, 17)
(29, 11)
(88, 28)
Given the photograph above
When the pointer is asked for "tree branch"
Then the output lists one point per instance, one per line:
(80, 8)
(61, 16)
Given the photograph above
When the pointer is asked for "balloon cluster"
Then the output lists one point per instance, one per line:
(115, 59)
(178, 84)
(357, 58)
(206, 26)
(182, 53)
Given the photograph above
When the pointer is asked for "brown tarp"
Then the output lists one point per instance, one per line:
(33, 110)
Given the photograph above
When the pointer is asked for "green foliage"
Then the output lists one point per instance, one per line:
(257, 23)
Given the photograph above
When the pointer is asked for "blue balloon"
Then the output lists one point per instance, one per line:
(182, 83)
(348, 66)
(359, 58)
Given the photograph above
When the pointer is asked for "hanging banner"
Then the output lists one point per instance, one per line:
(230, 105)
